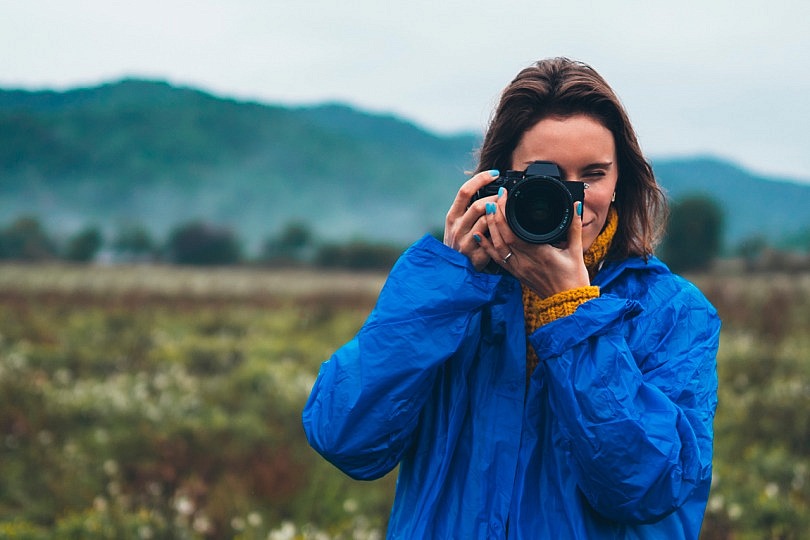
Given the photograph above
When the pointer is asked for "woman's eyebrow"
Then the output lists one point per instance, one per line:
(589, 166)
(599, 165)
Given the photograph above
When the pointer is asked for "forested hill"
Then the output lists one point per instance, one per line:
(137, 152)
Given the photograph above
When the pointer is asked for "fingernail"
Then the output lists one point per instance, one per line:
(501, 191)
(579, 209)
(477, 238)
(490, 208)
(494, 173)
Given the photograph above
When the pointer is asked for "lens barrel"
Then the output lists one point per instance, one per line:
(540, 209)
(540, 205)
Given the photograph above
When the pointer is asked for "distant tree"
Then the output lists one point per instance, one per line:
(358, 255)
(694, 234)
(26, 240)
(134, 243)
(799, 240)
(751, 250)
(203, 244)
(84, 245)
(293, 245)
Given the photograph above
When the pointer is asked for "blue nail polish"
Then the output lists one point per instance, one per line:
(477, 238)
(494, 173)
(501, 191)
(490, 208)
(579, 209)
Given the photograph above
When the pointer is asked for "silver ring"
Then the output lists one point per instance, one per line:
(507, 257)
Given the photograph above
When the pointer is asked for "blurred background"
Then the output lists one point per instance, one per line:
(199, 202)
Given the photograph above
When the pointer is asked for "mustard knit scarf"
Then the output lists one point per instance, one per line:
(539, 311)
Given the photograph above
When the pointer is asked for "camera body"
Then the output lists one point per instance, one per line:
(539, 204)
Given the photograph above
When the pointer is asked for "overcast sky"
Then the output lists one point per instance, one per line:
(724, 77)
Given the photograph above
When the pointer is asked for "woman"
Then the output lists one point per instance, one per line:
(570, 394)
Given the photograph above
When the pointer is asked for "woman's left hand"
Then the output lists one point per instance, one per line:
(544, 268)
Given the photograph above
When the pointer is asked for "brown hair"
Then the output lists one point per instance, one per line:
(564, 87)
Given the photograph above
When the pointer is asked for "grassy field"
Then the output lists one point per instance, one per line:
(162, 402)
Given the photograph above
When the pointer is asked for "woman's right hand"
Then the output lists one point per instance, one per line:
(465, 219)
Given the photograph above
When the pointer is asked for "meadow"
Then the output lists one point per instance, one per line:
(162, 402)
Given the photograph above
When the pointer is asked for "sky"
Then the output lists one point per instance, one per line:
(727, 78)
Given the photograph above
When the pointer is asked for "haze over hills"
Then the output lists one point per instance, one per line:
(147, 153)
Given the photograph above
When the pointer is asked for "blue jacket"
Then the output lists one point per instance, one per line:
(612, 438)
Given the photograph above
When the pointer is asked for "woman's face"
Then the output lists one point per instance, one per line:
(584, 150)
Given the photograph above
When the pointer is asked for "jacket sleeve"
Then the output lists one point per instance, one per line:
(638, 429)
(366, 400)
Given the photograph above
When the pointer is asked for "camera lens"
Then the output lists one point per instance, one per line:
(539, 210)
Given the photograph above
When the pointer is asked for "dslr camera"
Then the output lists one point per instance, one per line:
(539, 204)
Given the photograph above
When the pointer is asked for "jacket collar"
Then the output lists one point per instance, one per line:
(613, 269)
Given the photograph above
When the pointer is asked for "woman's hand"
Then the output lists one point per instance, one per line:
(464, 220)
(546, 269)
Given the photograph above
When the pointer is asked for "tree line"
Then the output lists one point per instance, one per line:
(693, 243)
(196, 243)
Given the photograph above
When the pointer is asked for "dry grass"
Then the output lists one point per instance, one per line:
(138, 284)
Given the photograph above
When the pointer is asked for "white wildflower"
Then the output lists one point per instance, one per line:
(238, 523)
(110, 467)
(202, 524)
(735, 511)
(350, 505)
(716, 503)
(254, 519)
(287, 531)
(184, 505)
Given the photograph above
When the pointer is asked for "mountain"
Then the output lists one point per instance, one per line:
(753, 205)
(148, 153)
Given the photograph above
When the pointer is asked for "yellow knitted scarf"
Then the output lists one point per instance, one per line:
(539, 311)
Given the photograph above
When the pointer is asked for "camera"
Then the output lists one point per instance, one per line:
(539, 205)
